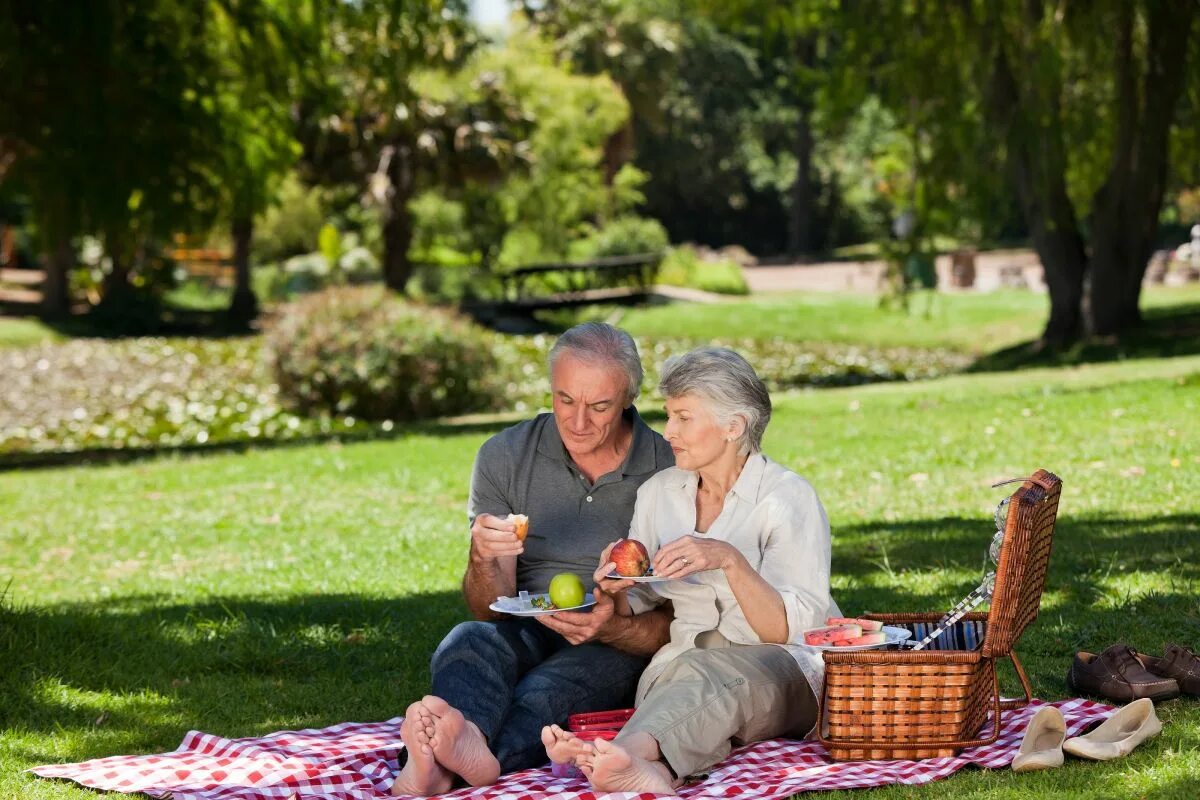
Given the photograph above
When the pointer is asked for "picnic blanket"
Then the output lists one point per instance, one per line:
(358, 761)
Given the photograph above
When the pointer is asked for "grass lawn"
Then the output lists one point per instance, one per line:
(970, 323)
(302, 586)
(26, 332)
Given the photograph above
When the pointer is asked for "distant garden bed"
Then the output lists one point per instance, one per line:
(154, 393)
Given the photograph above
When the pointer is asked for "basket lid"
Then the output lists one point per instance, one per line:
(1021, 573)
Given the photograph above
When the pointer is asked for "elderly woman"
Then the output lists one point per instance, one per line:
(746, 546)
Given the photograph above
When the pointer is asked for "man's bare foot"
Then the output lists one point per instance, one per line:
(563, 747)
(421, 776)
(615, 769)
(459, 745)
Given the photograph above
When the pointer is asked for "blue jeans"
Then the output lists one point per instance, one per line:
(512, 677)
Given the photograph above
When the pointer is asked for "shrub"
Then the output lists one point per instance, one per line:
(625, 236)
(291, 227)
(682, 267)
(363, 352)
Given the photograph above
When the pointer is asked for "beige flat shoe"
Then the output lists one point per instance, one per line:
(1119, 734)
(1042, 747)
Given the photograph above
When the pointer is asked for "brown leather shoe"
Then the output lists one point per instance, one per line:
(1117, 674)
(1179, 663)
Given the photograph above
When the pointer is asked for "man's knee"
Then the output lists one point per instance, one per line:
(474, 638)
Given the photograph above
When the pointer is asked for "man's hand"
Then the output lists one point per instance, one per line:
(494, 537)
(606, 568)
(578, 627)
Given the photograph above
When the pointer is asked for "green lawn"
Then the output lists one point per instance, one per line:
(972, 323)
(25, 332)
(300, 586)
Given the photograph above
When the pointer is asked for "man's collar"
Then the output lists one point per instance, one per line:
(640, 459)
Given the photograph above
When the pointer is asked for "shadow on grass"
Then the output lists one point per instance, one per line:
(134, 673)
(146, 669)
(1164, 333)
(1080, 610)
(163, 320)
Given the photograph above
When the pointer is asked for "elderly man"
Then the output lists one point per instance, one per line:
(575, 473)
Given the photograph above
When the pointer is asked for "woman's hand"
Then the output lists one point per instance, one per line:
(690, 554)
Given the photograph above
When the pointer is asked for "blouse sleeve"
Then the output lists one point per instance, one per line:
(796, 555)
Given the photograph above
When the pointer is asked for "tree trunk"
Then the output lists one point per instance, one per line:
(116, 281)
(800, 231)
(1125, 209)
(243, 307)
(56, 300)
(1032, 127)
(804, 201)
(397, 224)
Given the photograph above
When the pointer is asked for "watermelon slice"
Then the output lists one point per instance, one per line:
(878, 637)
(865, 624)
(832, 633)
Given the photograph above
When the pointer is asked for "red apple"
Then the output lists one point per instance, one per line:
(631, 558)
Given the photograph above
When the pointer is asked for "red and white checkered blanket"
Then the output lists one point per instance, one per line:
(357, 761)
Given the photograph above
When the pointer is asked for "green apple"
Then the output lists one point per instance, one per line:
(566, 590)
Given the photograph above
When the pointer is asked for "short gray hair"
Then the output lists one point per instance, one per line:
(728, 384)
(598, 342)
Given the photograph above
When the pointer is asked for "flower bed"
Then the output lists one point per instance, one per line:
(149, 393)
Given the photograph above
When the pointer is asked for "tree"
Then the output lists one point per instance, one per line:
(1079, 102)
(366, 122)
(128, 121)
(261, 45)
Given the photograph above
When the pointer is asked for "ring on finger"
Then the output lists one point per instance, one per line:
(686, 562)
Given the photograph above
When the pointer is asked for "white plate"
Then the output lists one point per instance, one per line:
(522, 606)
(894, 636)
(639, 579)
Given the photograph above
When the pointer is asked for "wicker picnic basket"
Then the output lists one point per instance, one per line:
(883, 704)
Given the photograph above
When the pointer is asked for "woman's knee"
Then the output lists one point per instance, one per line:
(695, 667)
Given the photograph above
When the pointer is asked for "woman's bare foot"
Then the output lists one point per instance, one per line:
(421, 776)
(563, 747)
(459, 745)
(587, 754)
(615, 769)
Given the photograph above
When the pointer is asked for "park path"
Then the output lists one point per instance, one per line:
(993, 269)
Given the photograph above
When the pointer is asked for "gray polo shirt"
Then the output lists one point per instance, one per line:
(525, 469)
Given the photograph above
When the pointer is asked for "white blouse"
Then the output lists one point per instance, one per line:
(773, 517)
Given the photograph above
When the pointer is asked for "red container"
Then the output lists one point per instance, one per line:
(599, 720)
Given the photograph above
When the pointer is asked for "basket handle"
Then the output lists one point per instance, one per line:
(878, 745)
(1040, 481)
(1017, 702)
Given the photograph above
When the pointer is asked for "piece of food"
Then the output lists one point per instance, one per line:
(831, 634)
(870, 625)
(878, 637)
(630, 557)
(522, 523)
(566, 590)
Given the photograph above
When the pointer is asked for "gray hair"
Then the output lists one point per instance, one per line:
(729, 385)
(599, 342)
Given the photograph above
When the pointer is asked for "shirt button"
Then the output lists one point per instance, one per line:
(589, 498)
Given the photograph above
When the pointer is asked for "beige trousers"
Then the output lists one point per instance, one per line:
(720, 695)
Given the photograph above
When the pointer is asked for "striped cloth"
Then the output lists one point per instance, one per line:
(357, 761)
(963, 635)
